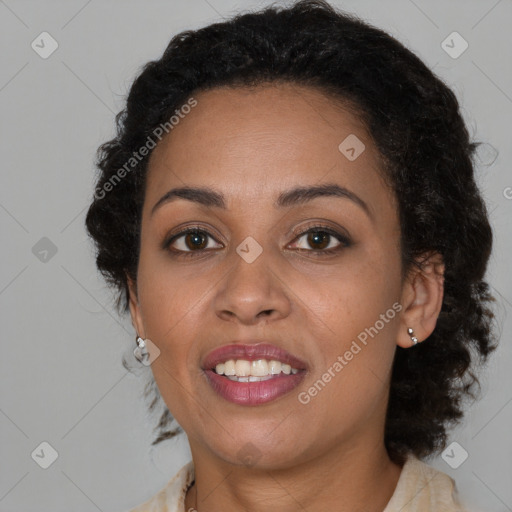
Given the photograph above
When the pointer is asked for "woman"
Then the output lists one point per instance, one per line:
(322, 337)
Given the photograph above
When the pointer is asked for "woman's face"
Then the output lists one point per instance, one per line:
(251, 276)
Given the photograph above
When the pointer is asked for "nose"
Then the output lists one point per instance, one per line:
(252, 293)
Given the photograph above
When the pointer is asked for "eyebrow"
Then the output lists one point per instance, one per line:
(296, 196)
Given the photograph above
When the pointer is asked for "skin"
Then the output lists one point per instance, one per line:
(251, 145)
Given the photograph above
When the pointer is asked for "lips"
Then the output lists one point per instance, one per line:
(251, 351)
(254, 393)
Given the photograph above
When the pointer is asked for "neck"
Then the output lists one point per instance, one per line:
(360, 478)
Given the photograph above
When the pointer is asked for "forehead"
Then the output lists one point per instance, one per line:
(258, 139)
(265, 119)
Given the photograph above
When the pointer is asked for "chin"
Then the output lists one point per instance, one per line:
(260, 452)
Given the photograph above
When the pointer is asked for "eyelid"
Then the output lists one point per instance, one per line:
(168, 240)
(343, 239)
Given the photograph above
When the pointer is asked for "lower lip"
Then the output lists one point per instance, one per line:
(254, 393)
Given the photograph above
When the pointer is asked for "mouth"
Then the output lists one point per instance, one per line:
(253, 374)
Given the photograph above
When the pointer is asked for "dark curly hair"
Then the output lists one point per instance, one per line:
(427, 159)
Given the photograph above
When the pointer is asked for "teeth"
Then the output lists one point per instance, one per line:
(242, 370)
(274, 367)
(259, 368)
(229, 368)
(249, 379)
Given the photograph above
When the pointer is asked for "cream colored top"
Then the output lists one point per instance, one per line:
(420, 488)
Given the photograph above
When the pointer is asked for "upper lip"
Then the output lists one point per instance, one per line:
(251, 351)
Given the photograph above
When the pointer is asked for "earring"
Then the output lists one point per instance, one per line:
(411, 334)
(140, 351)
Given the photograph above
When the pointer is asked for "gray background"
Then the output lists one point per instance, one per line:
(61, 375)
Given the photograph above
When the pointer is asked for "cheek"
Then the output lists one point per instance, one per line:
(171, 305)
(354, 321)
(351, 297)
(171, 301)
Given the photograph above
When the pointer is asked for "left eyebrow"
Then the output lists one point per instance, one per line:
(299, 195)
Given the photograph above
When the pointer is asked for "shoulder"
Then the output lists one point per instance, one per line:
(422, 487)
(171, 498)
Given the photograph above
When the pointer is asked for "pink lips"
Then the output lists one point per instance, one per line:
(253, 393)
(251, 352)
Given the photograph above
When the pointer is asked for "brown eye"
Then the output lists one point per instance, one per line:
(189, 241)
(318, 239)
(321, 240)
(195, 240)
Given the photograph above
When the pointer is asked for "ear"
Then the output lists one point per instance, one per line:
(135, 311)
(422, 298)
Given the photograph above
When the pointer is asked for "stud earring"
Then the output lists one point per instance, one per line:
(140, 351)
(411, 334)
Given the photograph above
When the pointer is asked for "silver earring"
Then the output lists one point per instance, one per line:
(140, 351)
(411, 334)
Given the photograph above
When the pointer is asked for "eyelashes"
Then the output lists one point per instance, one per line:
(194, 241)
(195, 234)
(327, 233)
